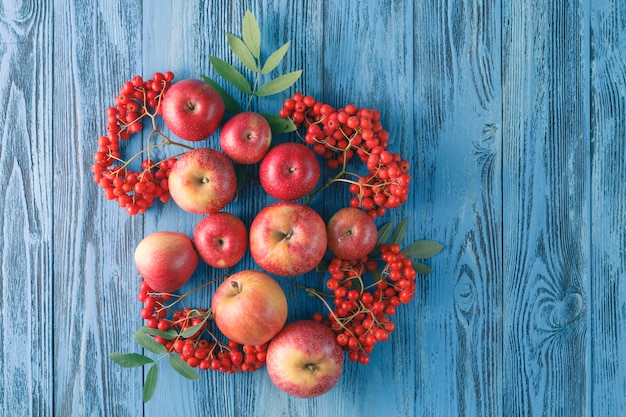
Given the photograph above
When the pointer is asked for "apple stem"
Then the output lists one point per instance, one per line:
(236, 286)
(315, 293)
(345, 235)
(311, 367)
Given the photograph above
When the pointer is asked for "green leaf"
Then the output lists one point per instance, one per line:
(278, 84)
(168, 334)
(421, 268)
(383, 235)
(400, 231)
(130, 360)
(376, 274)
(190, 331)
(183, 367)
(251, 34)
(278, 124)
(241, 175)
(422, 249)
(149, 385)
(242, 52)
(274, 59)
(322, 266)
(231, 105)
(147, 342)
(231, 74)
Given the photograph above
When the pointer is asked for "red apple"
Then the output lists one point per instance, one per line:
(287, 238)
(221, 239)
(304, 359)
(249, 307)
(289, 171)
(352, 233)
(202, 181)
(192, 109)
(166, 260)
(246, 137)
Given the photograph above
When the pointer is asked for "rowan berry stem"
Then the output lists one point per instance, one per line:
(191, 291)
(328, 183)
(320, 295)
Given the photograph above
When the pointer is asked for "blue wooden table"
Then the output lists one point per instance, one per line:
(512, 114)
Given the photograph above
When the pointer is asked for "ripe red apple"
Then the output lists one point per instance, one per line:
(304, 359)
(352, 233)
(221, 239)
(192, 109)
(289, 171)
(246, 137)
(166, 260)
(202, 181)
(287, 238)
(249, 307)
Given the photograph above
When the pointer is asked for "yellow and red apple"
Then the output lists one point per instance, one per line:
(288, 238)
(202, 181)
(249, 307)
(304, 359)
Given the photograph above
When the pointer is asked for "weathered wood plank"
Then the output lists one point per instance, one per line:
(26, 210)
(457, 112)
(546, 203)
(97, 48)
(608, 196)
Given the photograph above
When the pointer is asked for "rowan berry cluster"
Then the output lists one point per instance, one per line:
(340, 134)
(133, 190)
(183, 330)
(360, 313)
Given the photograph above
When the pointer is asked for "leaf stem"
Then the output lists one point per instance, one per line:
(254, 90)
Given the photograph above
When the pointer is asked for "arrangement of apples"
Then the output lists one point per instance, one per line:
(285, 239)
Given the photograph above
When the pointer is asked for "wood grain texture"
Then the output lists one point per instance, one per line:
(511, 113)
(608, 209)
(26, 209)
(458, 149)
(95, 283)
(546, 206)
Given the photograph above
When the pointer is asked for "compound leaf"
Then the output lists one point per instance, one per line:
(421, 268)
(422, 249)
(130, 360)
(279, 124)
(231, 105)
(149, 385)
(242, 52)
(190, 331)
(183, 367)
(278, 84)
(147, 342)
(251, 34)
(231, 74)
(322, 266)
(399, 232)
(274, 59)
(168, 334)
(383, 235)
